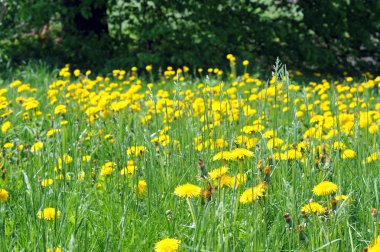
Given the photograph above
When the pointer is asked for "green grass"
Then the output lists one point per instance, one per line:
(104, 213)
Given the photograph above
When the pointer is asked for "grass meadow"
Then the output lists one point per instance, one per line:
(188, 160)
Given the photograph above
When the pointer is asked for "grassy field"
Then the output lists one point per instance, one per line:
(134, 161)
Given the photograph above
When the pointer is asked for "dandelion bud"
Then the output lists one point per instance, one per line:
(202, 167)
(288, 220)
(302, 233)
(267, 174)
(374, 212)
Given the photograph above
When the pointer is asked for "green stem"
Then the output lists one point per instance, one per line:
(192, 211)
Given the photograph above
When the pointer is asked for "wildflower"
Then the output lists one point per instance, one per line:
(52, 132)
(325, 188)
(239, 180)
(241, 153)
(46, 182)
(217, 173)
(224, 181)
(374, 246)
(49, 214)
(140, 189)
(67, 159)
(292, 155)
(4, 195)
(274, 142)
(252, 194)
(130, 169)
(342, 198)
(167, 245)
(36, 147)
(60, 110)
(313, 207)
(136, 150)
(348, 153)
(56, 249)
(245, 63)
(8, 145)
(225, 155)
(5, 127)
(148, 68)
(187, 191)
(107, 168)
(86, 158)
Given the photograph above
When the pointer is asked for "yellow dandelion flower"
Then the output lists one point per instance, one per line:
(292, 155)
(8, 145)
(136, 150)
(60, 110)
(4, 195)
(5, 127)
(325, 188)
(223, 155)
(49, 213)
(224, 181)
(217, 173)
(46, 182)
(56, 249)
(52, 132)
(375, 245)
(313, 207)
(130, 169)
(187, 191)
(252, 194)
(239, 180)
(343, 198)
(241, 153)
(348, 153)
(37, 147)
(107, 168)
(167, 245)
(140, 189)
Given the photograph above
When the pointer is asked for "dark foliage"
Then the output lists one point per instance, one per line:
(329, 36)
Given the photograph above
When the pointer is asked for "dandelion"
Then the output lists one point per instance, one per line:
(52, 132)
(223, 155)
(6, 126)
(49, 214)
(107, 168)
(130, 169)
(4, 195)
(60, 110)
(375, 245)
(325, 188)
(167, 245)
(56, 249)
(36, 147)
(217, 173)
(292, 155)
(140, 189)
(313, 207)
(136, 150)
(348, 154)
(8, 145)
(241, 153)
(46, 182)
(252, 194)
(187, 191)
